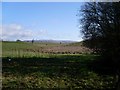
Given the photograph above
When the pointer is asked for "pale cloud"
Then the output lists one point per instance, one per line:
(16, 31)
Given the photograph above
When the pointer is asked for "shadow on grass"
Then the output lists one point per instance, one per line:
(79, 68)
(102, 66)
(70, 65)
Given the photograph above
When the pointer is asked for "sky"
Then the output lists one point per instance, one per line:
(41, 20)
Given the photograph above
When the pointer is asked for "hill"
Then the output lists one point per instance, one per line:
(52, 41)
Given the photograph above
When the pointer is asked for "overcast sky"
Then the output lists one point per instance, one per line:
(38, 20)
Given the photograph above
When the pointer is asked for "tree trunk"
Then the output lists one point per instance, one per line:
(118, 81)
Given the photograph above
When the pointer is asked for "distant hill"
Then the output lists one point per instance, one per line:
(76, 43)
(52, 41)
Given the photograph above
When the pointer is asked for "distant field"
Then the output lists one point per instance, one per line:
(19, 49)
(51, 65)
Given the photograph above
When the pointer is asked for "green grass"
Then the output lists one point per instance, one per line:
(24, 49)
(8, 46)
(76, 44)
(38, 70)
(58, 71)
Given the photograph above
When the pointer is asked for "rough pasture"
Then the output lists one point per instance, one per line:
(47, 65)
(25, 48)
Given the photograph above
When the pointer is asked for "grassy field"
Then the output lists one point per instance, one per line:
(27, 49)
(51, 65)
